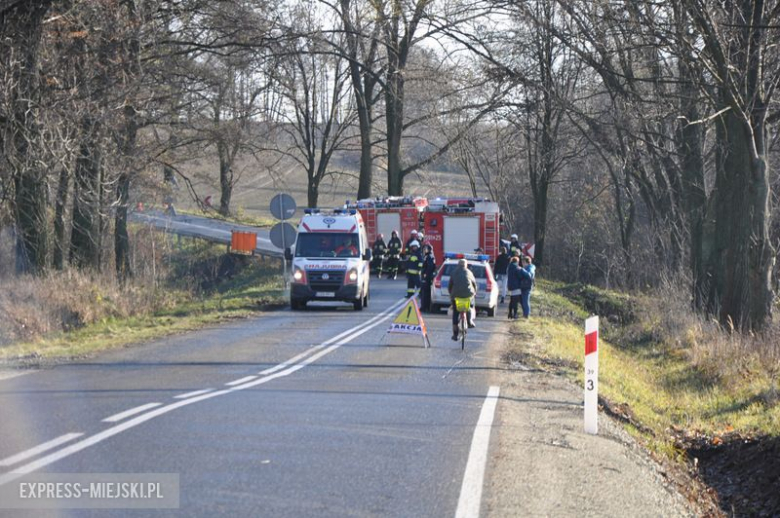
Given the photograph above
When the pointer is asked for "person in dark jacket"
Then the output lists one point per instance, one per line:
(502, 263)
(393, 255)
(527, 276)
(378, 254)
(513, 285)
(414, 264)
(428, 274)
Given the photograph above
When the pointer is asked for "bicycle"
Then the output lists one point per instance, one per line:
(463, 306)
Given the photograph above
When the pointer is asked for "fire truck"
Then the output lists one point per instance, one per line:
(458, 225)
(462, 225)
(383, 215)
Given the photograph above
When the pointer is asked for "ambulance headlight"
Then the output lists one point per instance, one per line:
(353, 276)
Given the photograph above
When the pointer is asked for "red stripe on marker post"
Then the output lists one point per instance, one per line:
(591, 343)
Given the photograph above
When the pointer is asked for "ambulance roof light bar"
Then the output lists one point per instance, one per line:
(470, 257)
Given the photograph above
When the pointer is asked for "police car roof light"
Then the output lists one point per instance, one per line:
(470, 257)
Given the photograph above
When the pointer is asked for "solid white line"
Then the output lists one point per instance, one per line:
(324, 344)
(240, 381)
(193, 393)
(48, 445)
(7, 375)
(117, 429)
(473, 479)
(127, 413)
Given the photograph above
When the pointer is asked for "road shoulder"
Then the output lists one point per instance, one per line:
(543, 464)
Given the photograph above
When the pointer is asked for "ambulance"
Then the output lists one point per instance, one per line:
(330, 259)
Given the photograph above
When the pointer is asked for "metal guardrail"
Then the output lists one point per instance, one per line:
(186, 226)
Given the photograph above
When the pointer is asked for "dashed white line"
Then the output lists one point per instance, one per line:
(240, 381)
(193, 393)
(127, 413)
(139, 419)
(474, 477)
(48, 445)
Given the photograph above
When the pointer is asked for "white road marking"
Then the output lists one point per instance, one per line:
(240, 381)
(48, 445)
(453, 367)
(127, 413)
(324, 344)
(193, 393)
(7, 375)
(5, 478)
(474, 477)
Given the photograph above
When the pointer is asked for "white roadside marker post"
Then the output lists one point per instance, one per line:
(592, 375)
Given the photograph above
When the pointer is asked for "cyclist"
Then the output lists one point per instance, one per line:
(462, 285)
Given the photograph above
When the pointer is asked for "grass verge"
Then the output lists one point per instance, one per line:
(204, 287)
(656, 383)
(666, 387)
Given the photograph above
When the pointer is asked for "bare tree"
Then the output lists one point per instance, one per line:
(319, 110)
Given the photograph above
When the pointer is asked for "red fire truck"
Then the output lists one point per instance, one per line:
(459, 225)
(384, 215)
(462, 225)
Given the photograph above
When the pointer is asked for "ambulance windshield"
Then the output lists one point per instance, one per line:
(330, 244)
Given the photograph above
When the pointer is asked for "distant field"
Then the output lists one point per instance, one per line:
(258, 184)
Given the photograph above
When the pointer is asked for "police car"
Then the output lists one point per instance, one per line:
(487, 287)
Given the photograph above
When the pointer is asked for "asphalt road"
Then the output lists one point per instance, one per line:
(350, 425)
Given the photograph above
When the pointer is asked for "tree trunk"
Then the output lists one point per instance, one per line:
(21, 26)
(312, 193)
(225, 179)
(540, 221)
(366, 150)
(740, 255)
(121, 236)
(60, 246)
(86, 221)
(394, 110)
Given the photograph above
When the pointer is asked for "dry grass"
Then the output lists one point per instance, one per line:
(31, 307)
(721, 355)
(177, 285)
(666, 368)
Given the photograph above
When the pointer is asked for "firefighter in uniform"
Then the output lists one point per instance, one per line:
(405, 251)
(428, 274)
(378, 254)
(514, 247)
(393, 255)
(412, 237)
(414, 264)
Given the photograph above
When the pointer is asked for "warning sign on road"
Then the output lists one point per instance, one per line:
(410, 321)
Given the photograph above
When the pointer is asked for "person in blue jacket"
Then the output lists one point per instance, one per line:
(513, 286)
(527, 276)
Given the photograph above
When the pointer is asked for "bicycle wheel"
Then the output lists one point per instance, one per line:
(463, 328)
